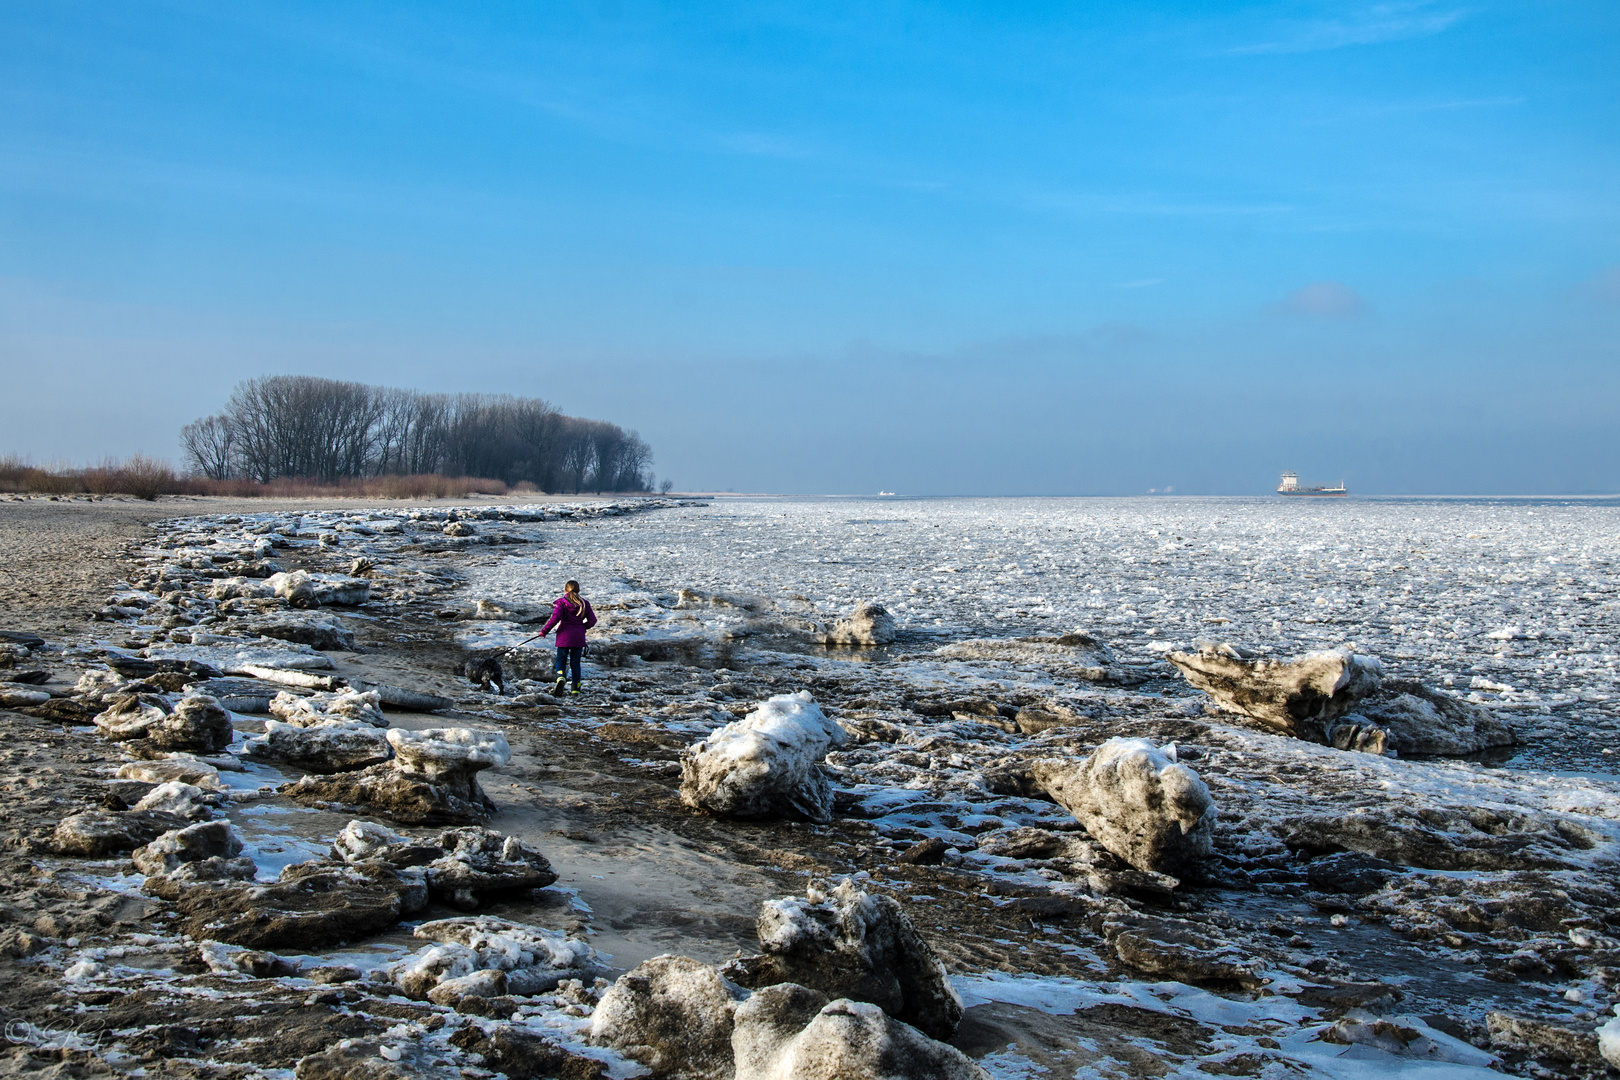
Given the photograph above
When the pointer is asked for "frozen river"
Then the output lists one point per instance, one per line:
(1514, 603)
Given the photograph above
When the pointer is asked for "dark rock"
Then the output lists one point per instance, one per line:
(98, 833)
(1180, 950)
(132, 667)
(929, 852)
(1014, 779)
(1350, 872)
(410, 800)
(311, 906)
(23, 638)
(29, 678)
(522, 1056)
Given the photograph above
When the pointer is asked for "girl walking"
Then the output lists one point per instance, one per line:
(572, 616)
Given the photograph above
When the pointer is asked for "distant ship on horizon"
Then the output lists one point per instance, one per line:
(1290, 486)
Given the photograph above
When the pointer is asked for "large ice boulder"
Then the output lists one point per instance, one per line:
(868, 624)
(673, 1015)
(1138, 802)
(1299, 697)
(790, 1032)
(1406, 718)
(433, 779)
(852, 944)
(766, 764)
(182, 800)
(449, 755)
(198, 723)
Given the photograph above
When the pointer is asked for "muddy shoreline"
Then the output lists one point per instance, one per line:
(593, 784)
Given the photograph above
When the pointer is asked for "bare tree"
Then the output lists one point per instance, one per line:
(302, 426)
(209, 444)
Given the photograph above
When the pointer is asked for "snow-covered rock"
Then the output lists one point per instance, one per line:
(130, 716)
(533, 960)
(868, 624)
(673, 1015)
(1138, 802)
(315, 629)
(302, 589)
(184, 800)
(433, 779)
(461, 865)
(1299, 697)
(766, 764)
(321, 748)
(789, 1032)
(182, 767)
(198, 723)
(193, 843)
(852, 944)
(321, 708)
(1609, 1040)
(449, 756)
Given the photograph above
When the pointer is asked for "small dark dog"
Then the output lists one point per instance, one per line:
(485, 672)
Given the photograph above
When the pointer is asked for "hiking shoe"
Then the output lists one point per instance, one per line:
(557, 689)
(575, 690)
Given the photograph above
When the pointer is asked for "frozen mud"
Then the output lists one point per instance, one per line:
(1346, 912)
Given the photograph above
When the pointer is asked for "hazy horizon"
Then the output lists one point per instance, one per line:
(814, 248)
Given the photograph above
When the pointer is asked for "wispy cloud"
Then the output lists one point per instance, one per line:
(1145, 204)
(1371, 25)
(1323, 300)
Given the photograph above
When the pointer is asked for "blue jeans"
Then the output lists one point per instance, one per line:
(568, 657)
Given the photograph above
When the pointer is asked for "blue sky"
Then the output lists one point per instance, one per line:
(965, 249)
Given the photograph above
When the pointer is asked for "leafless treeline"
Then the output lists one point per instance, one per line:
(322, 429)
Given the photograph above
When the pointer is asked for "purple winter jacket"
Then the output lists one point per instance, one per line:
(571, 626)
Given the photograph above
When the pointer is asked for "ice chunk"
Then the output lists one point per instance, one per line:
(766, 764)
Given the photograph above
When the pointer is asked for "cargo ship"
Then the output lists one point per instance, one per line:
(1290, 486)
